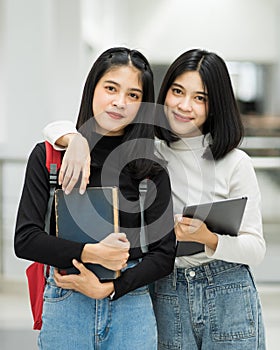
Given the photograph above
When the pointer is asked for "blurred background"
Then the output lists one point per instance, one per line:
(46, 50)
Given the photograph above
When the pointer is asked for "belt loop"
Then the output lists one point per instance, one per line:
(208, 274)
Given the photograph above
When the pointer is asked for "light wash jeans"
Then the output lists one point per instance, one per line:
(72, 321)
(209, 307)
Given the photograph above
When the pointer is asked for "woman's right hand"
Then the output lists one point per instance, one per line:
(75, 163)
(112, 252)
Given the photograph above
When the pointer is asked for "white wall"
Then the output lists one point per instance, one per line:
(40, 69)
(237, 29)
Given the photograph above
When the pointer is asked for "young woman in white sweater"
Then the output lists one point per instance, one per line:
(211, 296)
(210, 301)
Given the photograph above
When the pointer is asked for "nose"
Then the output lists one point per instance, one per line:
(185, 104)
(119, 101)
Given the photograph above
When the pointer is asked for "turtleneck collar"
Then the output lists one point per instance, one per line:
(101, 146)
(104, 141)
(191, 143)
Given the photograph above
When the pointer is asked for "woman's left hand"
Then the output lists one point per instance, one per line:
(194, 230)
(85, 282)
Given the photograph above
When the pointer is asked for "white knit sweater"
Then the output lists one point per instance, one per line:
(196, 180)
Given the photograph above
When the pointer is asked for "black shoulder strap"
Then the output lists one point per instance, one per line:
(53, 162)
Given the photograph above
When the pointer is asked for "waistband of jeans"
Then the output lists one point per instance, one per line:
(212, 268)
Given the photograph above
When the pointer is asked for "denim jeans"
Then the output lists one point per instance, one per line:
(214, 306)
(73, 321)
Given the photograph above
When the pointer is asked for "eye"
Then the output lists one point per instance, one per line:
(201, 98)
(110, 88)
(134, 96)
(177, 91)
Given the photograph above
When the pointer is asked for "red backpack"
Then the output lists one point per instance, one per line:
(36, 273)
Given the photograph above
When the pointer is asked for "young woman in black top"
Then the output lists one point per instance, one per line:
(79, 311)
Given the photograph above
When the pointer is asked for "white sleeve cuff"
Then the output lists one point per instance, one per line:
(53, 131)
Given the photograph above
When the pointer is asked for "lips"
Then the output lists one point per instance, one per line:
(114, 115)
(182, 118)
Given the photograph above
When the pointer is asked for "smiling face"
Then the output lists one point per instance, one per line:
(116, 100)
(186, 105)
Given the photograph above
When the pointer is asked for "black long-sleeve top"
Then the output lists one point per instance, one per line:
(33, 243)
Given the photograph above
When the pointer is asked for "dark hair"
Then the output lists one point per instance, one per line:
(142, 126)
(223, 121)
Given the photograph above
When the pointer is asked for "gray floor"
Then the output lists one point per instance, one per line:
(16, 321)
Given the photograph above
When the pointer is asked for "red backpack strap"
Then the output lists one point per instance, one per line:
(53, 162)
(53, 156)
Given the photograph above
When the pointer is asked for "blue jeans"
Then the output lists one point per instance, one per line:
(214, 306)
(73, 321)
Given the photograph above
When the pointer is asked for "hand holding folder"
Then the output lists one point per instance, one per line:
(112, 252)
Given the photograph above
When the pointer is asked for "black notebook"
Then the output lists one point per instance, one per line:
(222, 217)
(88, 218)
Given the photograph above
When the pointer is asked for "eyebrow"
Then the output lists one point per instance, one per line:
(131, 89)
(197, 92)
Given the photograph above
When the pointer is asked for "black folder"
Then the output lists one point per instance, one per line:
(223, 217)
(87, 218)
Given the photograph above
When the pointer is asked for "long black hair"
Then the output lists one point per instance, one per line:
(142, 127)
(223, 120)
